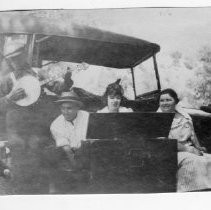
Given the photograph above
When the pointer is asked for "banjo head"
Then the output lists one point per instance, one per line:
(32, 88)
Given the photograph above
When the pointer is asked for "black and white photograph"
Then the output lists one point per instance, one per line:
(105, 101)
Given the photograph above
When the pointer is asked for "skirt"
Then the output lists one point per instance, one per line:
(194, 172)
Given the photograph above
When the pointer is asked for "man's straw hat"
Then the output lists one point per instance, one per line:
(70, 97)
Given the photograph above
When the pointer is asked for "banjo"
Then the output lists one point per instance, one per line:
(32, 85)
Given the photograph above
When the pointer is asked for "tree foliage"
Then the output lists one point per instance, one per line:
(190, 77)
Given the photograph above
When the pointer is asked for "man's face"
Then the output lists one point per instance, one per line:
(69, 110)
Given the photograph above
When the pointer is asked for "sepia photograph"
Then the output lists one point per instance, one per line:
(105, 101)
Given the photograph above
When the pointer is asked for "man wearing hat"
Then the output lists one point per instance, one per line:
(69, 128)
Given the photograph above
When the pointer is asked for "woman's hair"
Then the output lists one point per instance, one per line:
(114, 89)
(171, 92)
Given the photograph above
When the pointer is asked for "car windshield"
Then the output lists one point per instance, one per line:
(91, 78)
(145, 78)
(95, 79)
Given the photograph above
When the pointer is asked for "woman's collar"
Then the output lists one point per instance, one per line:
(181, 111)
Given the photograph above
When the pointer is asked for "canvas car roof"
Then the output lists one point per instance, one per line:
(81, 43)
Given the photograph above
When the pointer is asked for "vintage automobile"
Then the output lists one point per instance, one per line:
(111, 166)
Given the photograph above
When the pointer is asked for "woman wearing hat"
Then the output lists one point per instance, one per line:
(113, 96)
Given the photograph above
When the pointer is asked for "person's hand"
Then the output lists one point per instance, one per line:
(203, 149)
(16, 94)
(194, 151)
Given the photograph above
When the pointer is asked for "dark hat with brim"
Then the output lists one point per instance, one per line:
(70, 97)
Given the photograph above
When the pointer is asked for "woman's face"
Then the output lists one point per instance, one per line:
(167, 103)
(114, 103)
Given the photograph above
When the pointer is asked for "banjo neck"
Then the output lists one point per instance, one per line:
(42, 83)
(79, 67)
(51, 79)
(46, 81)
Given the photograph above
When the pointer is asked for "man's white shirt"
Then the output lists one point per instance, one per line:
(70, 133)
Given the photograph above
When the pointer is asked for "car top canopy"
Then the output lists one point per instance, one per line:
(78, 43)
